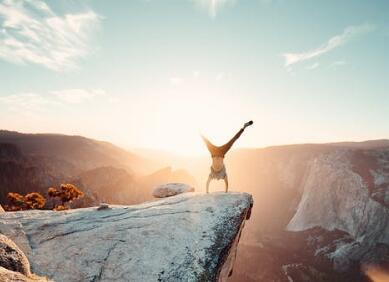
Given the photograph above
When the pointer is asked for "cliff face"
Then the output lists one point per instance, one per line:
(335, 196)
(189, 237)
(339, 194)
(321, 214)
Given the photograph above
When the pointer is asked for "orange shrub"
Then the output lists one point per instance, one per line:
(30, 201)
(66, 194)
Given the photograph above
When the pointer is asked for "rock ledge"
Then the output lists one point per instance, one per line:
(189, 237)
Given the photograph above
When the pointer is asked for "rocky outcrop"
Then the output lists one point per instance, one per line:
(171, 189)
(336, 197)
(14, 265)
(189, 237)
(12, 258)
(322, 216)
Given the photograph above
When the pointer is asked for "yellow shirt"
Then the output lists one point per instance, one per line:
(217, 163)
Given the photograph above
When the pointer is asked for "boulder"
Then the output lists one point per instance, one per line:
(14, 265)
(190, 237)
(103, 206)
(171, 189)
(7, 275)
(12, 276)
(12, 258)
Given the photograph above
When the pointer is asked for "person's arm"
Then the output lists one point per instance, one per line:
(207, 185)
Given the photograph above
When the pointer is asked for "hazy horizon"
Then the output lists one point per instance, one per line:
(147, 74)
(204, 153)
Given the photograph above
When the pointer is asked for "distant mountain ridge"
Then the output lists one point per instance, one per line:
(77, 151)
(105, 172)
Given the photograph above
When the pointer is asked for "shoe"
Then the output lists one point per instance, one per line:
(248, 123)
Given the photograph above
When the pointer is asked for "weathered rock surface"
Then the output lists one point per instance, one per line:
(12, 258)
(337, 196)
(14, 265)
(171, 189)
(7, 275)
(322, 216)
(188, 237)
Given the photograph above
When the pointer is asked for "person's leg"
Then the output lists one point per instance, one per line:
(211, 148)
(224, 149)
(208, 181)
(226, 183)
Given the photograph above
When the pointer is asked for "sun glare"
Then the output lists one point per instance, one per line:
(180, 113)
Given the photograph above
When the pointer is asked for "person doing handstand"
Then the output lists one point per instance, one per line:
(218, 170)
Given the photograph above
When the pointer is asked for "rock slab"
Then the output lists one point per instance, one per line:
(12, 258)
(14, 265)
(171, 189)
(189, 237)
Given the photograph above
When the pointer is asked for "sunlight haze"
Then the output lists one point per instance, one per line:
(156, 74)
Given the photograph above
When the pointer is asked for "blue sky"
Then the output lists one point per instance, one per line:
(153, 73)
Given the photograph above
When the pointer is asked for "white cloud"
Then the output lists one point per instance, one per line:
(196, 74)
(313, 66)
(26, 104)
(334, 42)
(175, 80)
(223, 76)
(220, 76)
(30, 32)
(76, 96)
(338, 63)
(31, 104)
(213, 6)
